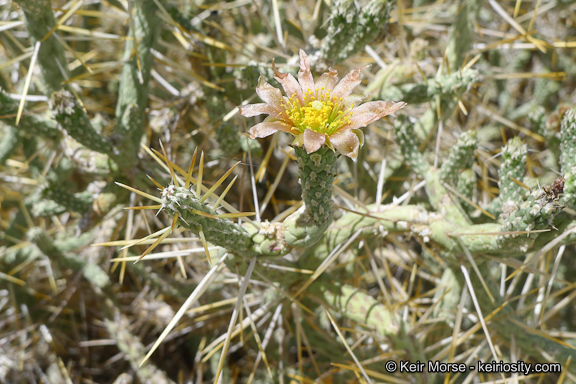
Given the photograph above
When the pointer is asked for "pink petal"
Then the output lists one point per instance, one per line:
(298, 139)
(328, 80)
(304, 75)
(372, 111)
(267, 128)
(360, 135)
(348, 83)
(353, 100)
(259, 109)
(313, 140)
(346, 142)
(268, 93)
(289, 83)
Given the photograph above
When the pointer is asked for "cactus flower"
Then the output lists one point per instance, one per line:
(318, 113)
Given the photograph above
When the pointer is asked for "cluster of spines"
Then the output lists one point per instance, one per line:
(197, 216)
(190, 209)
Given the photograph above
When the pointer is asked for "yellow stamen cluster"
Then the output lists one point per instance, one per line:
(321, 112)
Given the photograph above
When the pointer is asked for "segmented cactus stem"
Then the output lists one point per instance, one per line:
(91, 272)
(242, 240)
(317, 171)
(460, 157)
(407, 143)
(74, 120)
(568, 156)
(40, 23)
(512, 168)
(352, 26)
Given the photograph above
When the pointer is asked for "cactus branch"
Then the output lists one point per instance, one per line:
(305, 227)
(134, 84)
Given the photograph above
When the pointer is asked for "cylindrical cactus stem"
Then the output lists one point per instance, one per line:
(241, 240)
(408, 146)
(118, 326)
(466, 184)
(454, 84)
(568, 155)
(512, 168)
(448, 294)
(72, 202)
(537, 117)
(91, 272)
(317, 171)
(441, 199)
(360, 307)
(460, 157)
(221, 232)
(461, 34)
(8, 143)
(30, 124)
(75, 121)
(134, 84)
(40, 23)
(352, 26)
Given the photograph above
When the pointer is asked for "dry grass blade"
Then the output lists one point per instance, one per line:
(12, 279)
(267, 337)
(167, 255)
(476, 270)
(17, 59)
(274, 185)
(326, 263)
(261, 347)
(192, 299)
(479, 311)
(234, 317)
(27, 82)
(341, 336)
